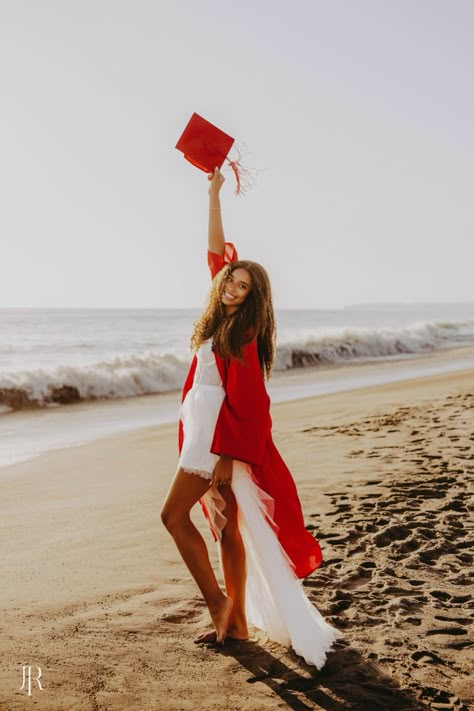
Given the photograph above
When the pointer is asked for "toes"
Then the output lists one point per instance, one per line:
(206, 638)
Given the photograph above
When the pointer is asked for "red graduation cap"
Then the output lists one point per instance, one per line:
(206, 146)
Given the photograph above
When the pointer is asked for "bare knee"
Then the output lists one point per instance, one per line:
(165, 515)
(173, 519)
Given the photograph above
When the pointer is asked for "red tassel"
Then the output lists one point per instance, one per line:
(235, 165)
(245, 177)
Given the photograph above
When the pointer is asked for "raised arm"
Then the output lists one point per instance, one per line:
(216, 239)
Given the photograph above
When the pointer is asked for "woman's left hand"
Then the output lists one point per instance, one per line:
(222, 473)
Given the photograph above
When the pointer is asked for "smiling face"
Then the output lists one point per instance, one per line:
(236, 289)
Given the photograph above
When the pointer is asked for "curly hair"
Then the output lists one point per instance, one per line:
(253, 318)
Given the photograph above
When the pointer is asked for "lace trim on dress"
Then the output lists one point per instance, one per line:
(204, 474)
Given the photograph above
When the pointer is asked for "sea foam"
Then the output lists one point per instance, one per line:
(140, 374)
(336, 345)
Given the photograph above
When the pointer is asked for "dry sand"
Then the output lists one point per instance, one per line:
(95, 593)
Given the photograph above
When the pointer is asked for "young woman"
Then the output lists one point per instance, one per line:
(229, 463)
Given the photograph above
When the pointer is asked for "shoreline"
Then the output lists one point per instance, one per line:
(96, 594)
(56, 427)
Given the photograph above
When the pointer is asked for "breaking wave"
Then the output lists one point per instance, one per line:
(119, 377)
(358, 344)
(133, 375)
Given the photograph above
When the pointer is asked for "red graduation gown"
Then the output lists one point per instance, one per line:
(243, 431)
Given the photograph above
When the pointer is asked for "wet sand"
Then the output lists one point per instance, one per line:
(95, 593)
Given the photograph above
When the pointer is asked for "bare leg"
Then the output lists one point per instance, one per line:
(233, 563)
(186, 489)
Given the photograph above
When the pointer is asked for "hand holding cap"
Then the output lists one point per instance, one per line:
(206, 147)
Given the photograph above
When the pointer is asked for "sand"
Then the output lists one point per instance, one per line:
(95, 594)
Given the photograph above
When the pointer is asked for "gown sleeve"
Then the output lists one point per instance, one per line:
(217, 261)
(244, 420)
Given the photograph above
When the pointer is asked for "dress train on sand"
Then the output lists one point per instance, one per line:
(275, 598)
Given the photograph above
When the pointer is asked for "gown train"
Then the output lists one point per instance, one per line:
(275, 598)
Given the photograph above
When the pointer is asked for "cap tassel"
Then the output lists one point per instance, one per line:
(235, 165)
(245, 177)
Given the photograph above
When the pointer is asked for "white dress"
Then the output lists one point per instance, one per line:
(275, 599)
(199, 412)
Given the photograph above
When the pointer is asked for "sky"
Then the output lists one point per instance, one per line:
(357, 115)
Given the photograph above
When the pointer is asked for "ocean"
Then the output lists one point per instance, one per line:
(56, 359)
(69, 355)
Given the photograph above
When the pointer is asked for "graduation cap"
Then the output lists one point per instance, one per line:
(207, 147)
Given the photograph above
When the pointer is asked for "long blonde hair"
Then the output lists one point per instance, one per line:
(253, 318)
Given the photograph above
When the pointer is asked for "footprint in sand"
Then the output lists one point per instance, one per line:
(409, 546)
(426, 657)
(427, 533)
(446, 630)
(440, 595)
(460, 599)
(465, 558)
(391, 534)
(458, 620)
(178, 613)
(358, 577)
(464, 644)
(430, 556)
(459, 580)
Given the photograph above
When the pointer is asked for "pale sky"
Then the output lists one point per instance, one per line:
(359, 114)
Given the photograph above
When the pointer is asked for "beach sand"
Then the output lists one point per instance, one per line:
(94, 591)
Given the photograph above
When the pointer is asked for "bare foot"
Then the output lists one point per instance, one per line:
(220, 618)
(236, 630)
(210, 638)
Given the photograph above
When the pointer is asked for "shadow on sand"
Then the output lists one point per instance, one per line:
(346, 681)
